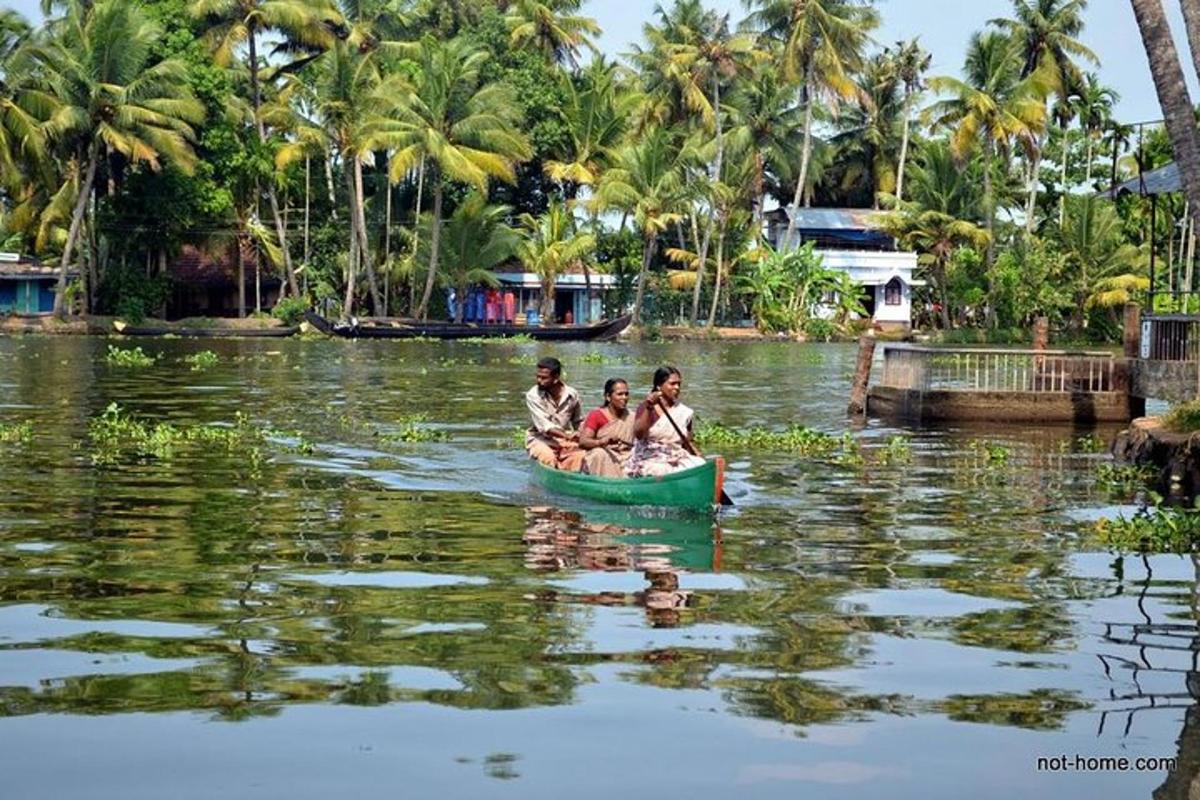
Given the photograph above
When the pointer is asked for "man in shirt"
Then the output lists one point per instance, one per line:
(555, 414)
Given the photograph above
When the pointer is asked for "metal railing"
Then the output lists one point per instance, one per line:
(983, 370)
(1171, 337)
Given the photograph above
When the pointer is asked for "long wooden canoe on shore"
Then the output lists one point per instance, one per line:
(696, 489)
(406, 329)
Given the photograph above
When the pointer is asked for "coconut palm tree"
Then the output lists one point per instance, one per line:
(549, 246)
(1047, 31)
(911, 62)
(1094, 247)
(822, 43)
(463, 128)
(647, 182)
(477, 239)
(96, 80)
(305, 25)
(551, 27)
(1094, 105)
(345, 80)
(989, 110)
(870, 130)
(1173, 97)
(768, 125)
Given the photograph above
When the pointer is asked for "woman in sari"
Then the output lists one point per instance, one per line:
(659, 448)
(607, 434)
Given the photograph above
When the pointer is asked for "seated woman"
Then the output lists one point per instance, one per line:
(659, 449)
(607, 433)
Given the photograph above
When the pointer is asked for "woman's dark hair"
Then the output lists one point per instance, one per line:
(663, 373)
(611, 385)
(552, 364)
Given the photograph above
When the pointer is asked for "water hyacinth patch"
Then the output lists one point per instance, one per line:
(116, 435)
(133, 357)
(413, 428)
(1152, 530)
(16, 433)
(203, 360)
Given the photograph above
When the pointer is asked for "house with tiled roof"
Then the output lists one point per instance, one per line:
(26, 285)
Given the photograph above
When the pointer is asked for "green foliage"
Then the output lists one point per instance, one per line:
(414, 428)
(16, 432)
(897, 451)
(1090, 443)
(1159, 529)
(993, 453)
(1183, 418)
(785, 289)
(290, 310)
(1123, 477)
(133, 357)
(116, 435)
(126, 292)
(205, 359)
(796, 439)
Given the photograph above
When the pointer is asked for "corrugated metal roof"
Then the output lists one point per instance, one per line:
(830, 219)
(1164, 180)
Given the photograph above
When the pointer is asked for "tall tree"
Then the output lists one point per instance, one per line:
(1173, 97)
(477, 240)
(989, 110)
(552, 27)
(822, 44)
(305, 25)
(911, 62)
(647, 182)
(549, 246)
(102, 89)
(1094, 104)
(462, 128)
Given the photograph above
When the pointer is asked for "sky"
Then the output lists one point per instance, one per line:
(944, 26)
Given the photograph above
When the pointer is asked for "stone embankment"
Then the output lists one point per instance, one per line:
(1174, 456)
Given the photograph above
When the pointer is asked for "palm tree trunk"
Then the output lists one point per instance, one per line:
(241, 271)
(1031, 201)
(256, 97)
(701, 264)
(759, 196)
(412, 278)
(1062, 200)
(712, 311)
(1087, 179)
(329, 185)
(307, 210)
(85, 191)
(990, 255)
(353, 261)
(1171, 88)
(435, 237)
(364, 245)
(805, 154)
(647, 255)
(387, 242)
(903, 147)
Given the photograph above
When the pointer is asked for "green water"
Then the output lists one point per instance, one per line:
(336, 613)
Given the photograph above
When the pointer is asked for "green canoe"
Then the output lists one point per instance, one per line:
(698, 488)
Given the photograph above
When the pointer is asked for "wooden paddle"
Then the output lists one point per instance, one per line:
(690, 446)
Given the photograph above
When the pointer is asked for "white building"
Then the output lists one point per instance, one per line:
(848, 241)
(570, 294)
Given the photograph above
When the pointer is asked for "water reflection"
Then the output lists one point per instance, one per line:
(559, 541)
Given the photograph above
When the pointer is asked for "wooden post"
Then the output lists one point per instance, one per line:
(862, 376)
(1133, 329)
(1041, 333)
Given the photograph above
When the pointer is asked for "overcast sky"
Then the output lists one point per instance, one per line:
(943, 27)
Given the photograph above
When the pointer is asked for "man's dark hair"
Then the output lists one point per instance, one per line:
(552, 364)
(663, 373)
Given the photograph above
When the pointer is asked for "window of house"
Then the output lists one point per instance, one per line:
(893, 292)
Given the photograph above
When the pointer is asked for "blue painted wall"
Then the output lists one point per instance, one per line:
(27, 296)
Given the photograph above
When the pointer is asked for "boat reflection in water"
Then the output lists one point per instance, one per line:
(618, 541)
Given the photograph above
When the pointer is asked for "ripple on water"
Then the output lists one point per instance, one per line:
(919, 602)
(387, 580)
(28, 624)
(34, 667)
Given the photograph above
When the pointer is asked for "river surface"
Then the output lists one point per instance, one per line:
(340, 613)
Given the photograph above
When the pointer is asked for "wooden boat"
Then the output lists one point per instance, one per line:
(203, 333)
(605, 329)
(696, 489)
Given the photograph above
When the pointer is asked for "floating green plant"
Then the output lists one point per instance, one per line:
(413, 428)
(519, 338)
(993, 453)
(16, 432)
(133, 357)
(1183, 418)
(203, 360)
(898, 450)
(115, 435)
(1152, 530)
(1123, 477)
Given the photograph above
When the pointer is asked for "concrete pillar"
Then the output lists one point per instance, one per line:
(1041, 333)
(1133, 329)
(862, 376)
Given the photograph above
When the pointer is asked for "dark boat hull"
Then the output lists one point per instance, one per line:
(450, 330)
(209, 333)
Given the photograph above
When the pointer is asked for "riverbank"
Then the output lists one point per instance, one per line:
(109, 326)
